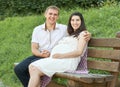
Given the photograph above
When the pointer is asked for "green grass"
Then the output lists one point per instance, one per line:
(15, 35)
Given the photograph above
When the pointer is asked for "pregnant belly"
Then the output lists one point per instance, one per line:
(62, 48)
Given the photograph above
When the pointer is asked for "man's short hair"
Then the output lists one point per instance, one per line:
(52, 7)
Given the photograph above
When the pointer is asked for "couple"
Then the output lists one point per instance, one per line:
(56, 48)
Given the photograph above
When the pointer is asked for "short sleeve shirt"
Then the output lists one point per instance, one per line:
(48, 39)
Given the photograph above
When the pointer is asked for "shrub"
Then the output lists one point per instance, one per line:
(29, 7)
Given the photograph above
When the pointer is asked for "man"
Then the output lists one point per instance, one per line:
(44, 38)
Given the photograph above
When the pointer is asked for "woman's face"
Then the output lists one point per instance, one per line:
(75, 22)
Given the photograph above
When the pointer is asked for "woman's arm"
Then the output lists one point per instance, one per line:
(81, 45)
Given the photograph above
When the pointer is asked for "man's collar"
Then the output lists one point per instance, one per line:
(56, 26)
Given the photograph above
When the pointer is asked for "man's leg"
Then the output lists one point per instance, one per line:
(21, 70)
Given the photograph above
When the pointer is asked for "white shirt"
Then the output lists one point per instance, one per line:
(48, 39)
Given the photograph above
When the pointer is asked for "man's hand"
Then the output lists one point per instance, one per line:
(86, 35)
(45, 53)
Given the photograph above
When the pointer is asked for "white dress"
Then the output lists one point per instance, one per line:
(50, 66)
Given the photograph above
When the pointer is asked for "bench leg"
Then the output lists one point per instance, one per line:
(71, 83)
(54, 84)
(118, 83)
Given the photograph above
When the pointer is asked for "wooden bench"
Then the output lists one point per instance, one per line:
(103, 55)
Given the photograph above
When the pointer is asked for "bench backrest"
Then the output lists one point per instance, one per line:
(104, 54)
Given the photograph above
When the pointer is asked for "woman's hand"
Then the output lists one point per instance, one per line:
(57, 56)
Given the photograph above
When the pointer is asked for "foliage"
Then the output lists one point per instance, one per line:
(29, 7)
(15, 35)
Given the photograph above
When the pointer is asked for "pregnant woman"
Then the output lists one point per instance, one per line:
(65, 56)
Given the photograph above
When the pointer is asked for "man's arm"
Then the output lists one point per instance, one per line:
(87, 35)
(36, 52)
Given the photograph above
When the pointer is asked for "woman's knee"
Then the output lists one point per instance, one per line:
(33, 69)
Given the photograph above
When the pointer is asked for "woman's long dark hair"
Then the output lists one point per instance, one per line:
(80, 29)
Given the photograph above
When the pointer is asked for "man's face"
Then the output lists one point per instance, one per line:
(51, 16)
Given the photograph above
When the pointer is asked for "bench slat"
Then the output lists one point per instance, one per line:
(86, 78)
(108, 54)
(105, 42)
(104, 65)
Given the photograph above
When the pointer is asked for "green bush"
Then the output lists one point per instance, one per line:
(28, 7)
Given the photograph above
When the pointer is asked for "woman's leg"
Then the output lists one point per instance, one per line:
(35, 75)
(21, 70)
